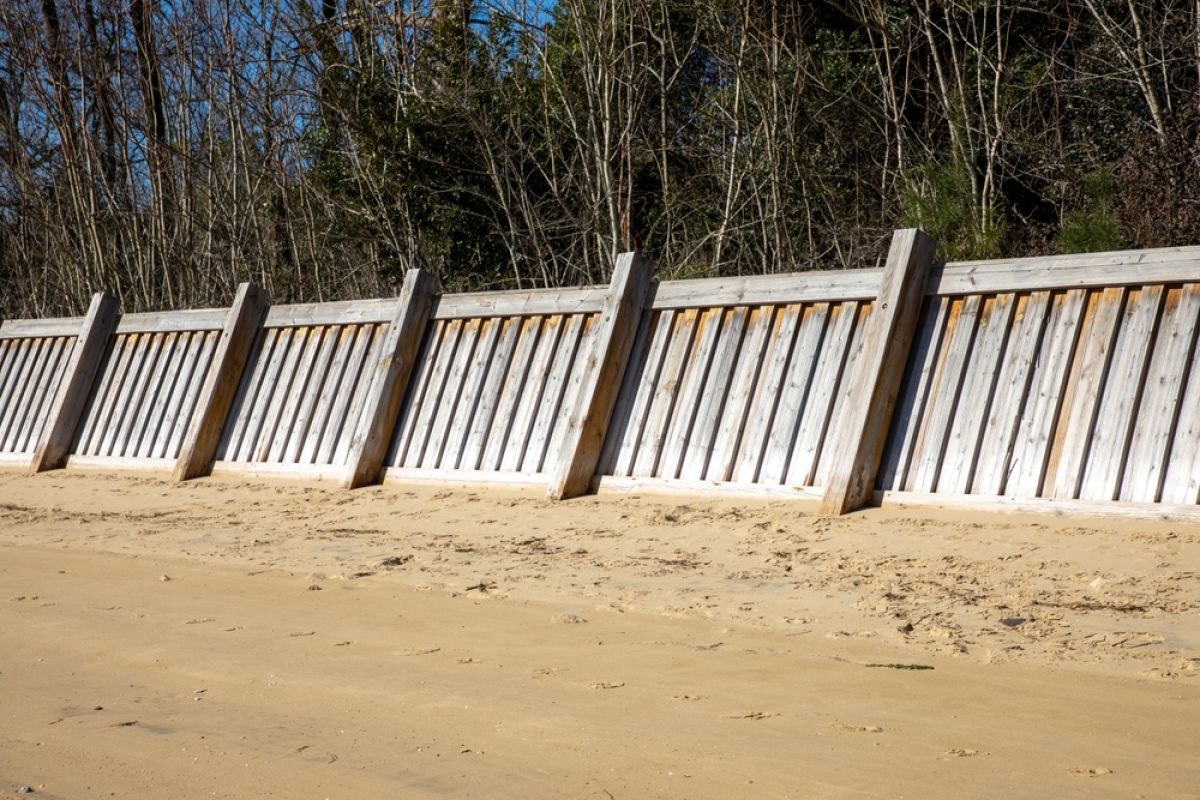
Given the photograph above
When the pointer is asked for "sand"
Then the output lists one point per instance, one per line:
(231, 639)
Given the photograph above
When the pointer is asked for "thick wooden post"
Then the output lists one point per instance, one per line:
(221, 382)
(55, 442)
(396, 358)
(879, 367)
(611, 342)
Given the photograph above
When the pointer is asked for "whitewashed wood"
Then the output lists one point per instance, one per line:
(961, 327)
(202, 319)
(205, 343)
(117, 426)
(612, 485)
(978, 392)
(550, 409)
(119, 463)
(335, 387)
(299, 388)
(870, 393)
(414, 398)
(794, 393)
(110, 389)
(627, 394)
(811, 438)
(237, 429)
(280, 392)
(426, 413)
(716, 393)
(805, 287)
(144, 396)
(470, 396)
(840, 425)
(347, 312)
(10, 349)
(465, 478)
(15, 460)
(101, 387)
(155, 402)
(30, 361)
(647, 372)
(38, 410)
(493, 370)
(1083, 402)
(747, 374)
(278, 471)
(191, 353)
(1121, 396)
(1008, 504)
(510, 395)
(359, 399)
(443, 415)
(1182, 480)
(1028, 467)
(325, 384)
(268, 394)
(36, 385)
(762, 412)
(526, 303)
(662, 404)
(335, 430)
(531, 396)
(16, 329)
(1156, 419)
(1083, 271)
(692, 385)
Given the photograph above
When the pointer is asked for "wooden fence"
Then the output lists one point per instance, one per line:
(1053, 384)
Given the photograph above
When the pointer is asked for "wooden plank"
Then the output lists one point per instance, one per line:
(34, 384)
(360, 397)
(837, 417)
(163, 383)
(340, 343)
(875, 380)
(553, 419)
(531, 395)
(611, 485)
(118, 463)
(979, 388)
(346, 312)
(427, 411)
(523, 303)
(1155, 422)
(234, 439)
(627, 395)
(692, 387)
(1007, 504)
(414, 397)
(457, 439)
(762, 414)
(1069, 456)
(103, 395)
(497, 367)
(264, 469)
(811, 438)
(666, 388)
(748, 373)
(204, 344)
(44, 395)
(145, 396)
(1048, 386)
(465, 478)
(224, 374)
(12, 329)
(59, 429)
(826, 286)
(662, 323)
(281, 393)
(299, 391)
(1178, 477)
(443, 415)
(1083, 271)
(16, 406)
(316, 393)
(944, 393)
(115, 427)
(9, 351)
(268, 392)
(1105, 467)
(510, 393)
(202, 319)
(713, 399)
(339, 427)
(1010, 394)
(793, 395)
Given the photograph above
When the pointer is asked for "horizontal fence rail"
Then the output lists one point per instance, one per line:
(1067, 384)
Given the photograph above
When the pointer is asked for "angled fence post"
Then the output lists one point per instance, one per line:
(221, 382)
(607, 357)
(55, 442)
(878, 370)
(391, 372)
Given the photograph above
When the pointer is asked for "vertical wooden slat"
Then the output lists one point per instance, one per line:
(837, 419)
(360, 398)
(1156, 421)
(116, 428)
(31, 348)
(1012, 389)
(224, 373)
(268, 394)
(549, 410)
(414, 398)
(338, 428)
(811, 438)
(298, 392)
(715, 396)
(793, 395)
(531, 394)
(1069, 454)
(35, 364)
(1051, 373)
(560, 427)
(102, 396)
(978, 390)
(145, 396)
(203, 345)
(233, 438)
(314, 393)
(626, 456)
(627, 395)
(666, 388)
(426, 413)
(871, 393)
(498, 365)
(496, 450)
(691, 388)
(42, 397)
(1182, 481)
(1105, 467)
(747, 373)
(443, 415)
(341, 346)
(161, 383)
(770, 384)
(457, 439)
(73, 390)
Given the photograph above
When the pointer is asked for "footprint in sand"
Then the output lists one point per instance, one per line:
(604, 685)
(1090, 772)
(859, 728)
(961, 752)
(753, 715)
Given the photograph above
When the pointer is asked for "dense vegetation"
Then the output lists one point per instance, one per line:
(165, 150)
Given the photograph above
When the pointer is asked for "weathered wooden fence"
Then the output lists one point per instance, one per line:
(1053, 384)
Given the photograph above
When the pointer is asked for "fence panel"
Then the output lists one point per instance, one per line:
(30, 373)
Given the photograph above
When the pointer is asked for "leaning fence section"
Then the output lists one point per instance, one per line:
(32, 356)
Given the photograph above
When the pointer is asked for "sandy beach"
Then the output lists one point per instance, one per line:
(225, 638)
